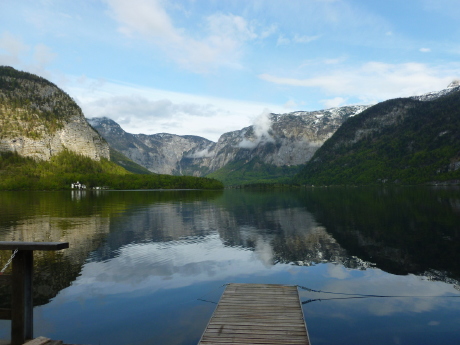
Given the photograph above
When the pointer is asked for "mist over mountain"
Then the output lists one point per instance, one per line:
(274, 144)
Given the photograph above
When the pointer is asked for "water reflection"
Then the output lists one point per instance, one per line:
(403, 230)
(150, 255)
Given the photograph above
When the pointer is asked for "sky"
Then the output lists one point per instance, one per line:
(206, 67)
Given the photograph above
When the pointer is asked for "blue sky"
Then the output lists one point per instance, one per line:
(205, 67)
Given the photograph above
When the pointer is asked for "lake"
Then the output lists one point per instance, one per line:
(147, 267)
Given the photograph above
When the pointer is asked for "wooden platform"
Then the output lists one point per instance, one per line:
(257, 314)
(36, 341)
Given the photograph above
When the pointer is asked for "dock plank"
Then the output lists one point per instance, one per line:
(257, 314)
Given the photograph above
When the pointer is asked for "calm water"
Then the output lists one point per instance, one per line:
(146, 267)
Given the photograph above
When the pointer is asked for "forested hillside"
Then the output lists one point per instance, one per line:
(398, 141)
(23, 173)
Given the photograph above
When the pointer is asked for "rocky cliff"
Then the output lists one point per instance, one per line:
(39, 120)
(274, 139)
(160, 153)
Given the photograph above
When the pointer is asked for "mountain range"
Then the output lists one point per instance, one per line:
(275, 146)
(367, 145)
(405, 140)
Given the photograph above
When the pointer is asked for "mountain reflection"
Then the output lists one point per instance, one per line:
(137, 237)
(403, 230)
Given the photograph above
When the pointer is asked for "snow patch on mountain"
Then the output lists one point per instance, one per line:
(454, 86)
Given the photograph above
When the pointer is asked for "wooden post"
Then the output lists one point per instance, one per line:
(22, 312)
(21, 300)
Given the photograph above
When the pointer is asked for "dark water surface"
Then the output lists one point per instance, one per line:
(144, 267)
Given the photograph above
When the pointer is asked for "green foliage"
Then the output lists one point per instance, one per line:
(417, 145)
(21, 173)
(254, 171)
(30, 104)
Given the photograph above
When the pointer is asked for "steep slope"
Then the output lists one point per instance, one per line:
(160, 153)
(123, 161)
(39, 120)
(268, 149)
(276, 145)
(398, 141)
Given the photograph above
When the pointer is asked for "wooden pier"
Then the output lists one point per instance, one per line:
(257, 314)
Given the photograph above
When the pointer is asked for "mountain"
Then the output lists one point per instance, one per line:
(430, 96)
(39, 120)
(47, 144)
(123, 161)
(405, 140)
(274, 146)
(160, 153)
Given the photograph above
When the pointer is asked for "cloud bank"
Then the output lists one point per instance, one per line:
(374, 80)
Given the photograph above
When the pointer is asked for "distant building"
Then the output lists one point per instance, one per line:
(78, 185)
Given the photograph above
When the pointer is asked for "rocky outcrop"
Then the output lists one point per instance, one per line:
(39, 120)
(275, 139)
(160, 153)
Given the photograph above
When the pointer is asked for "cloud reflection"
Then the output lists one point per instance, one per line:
(174, 264)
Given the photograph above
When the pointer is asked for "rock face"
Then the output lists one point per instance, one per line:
(160, 153)
(276, 139)
(39, 120)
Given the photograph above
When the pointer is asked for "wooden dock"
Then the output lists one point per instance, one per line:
(257, 314)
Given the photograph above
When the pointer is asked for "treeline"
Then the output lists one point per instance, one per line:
(254, 172)
(126, 163)
(398, 141)
(21, 173)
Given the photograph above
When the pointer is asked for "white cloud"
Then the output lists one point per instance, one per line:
(43, 55)
(201, 154)
(147, 110)
(220, 44)
(262, 125)
(304, 39)
(425, 50)
(11, 49)
(334, 102)
(282, 40)
(375, 80)
(20, 55)
(291, 104)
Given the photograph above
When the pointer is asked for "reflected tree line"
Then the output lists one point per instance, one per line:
(403, 230)
(400, 230)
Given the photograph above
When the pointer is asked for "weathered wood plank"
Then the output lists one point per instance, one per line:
(38, 341)
(8, 245)
(257, 314)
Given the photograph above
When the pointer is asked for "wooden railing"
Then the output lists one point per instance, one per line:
(21, 312)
